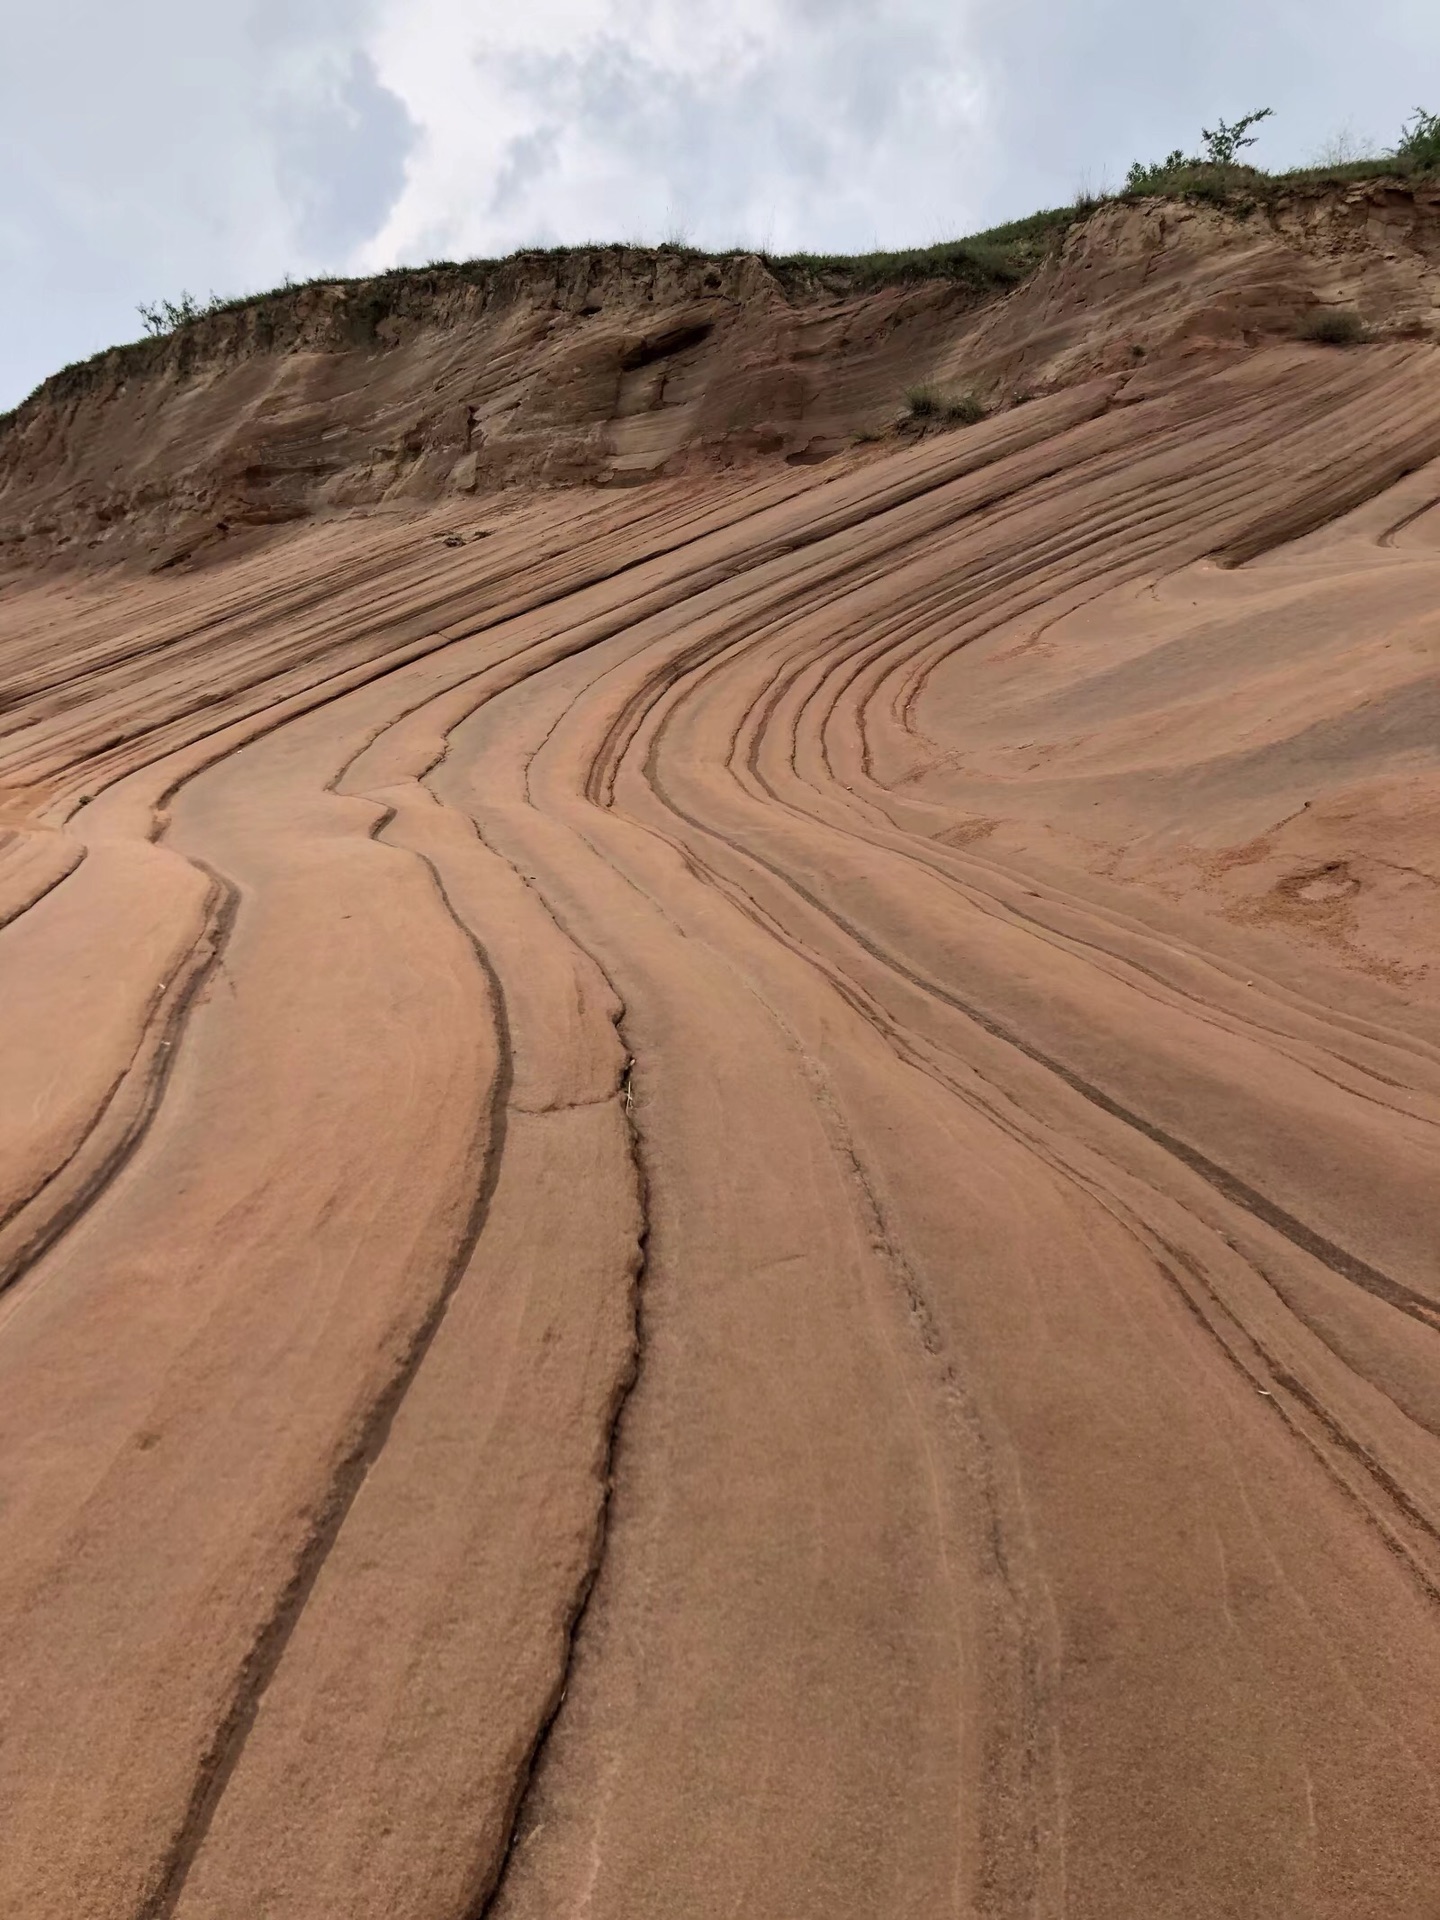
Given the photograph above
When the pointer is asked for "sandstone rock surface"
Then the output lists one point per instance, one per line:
(720, 1197)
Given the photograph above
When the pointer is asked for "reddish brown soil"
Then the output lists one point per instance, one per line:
(726, 1204)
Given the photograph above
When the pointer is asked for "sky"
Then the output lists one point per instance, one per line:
(161, 147)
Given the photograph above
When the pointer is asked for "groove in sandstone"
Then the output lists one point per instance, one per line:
(490, 1884)
(489, 1890)
(32, 896)
(268, 1648)
(124, 1116)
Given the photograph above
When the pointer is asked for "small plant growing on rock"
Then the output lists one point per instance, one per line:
(929, 406)
(1223, 146)
(166, 316)
(1418, 150)
(1344, 148)
(965, 410)
(1332, 327)
(1206, 173)
(1152, 179)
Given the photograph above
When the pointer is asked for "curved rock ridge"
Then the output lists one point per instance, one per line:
(721, 1198)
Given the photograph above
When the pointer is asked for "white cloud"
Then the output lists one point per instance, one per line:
(775, 121)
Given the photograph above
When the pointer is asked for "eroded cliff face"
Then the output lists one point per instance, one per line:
(613, 366)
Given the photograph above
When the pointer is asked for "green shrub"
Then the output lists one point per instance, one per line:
(167, 316)
(1418, 150)
(930, 405)
(1192, 180)
(1223, 146)
(965, 410)
(1209, 175)
(1332, 326)
(1153, 179)
(985, 262)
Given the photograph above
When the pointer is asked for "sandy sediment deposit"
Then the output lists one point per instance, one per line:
(722, 1197)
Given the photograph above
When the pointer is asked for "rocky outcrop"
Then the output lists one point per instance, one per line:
(612, 365)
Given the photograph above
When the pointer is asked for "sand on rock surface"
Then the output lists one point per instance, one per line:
(729, 1204)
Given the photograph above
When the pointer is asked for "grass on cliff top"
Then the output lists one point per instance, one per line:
(999, 257)
(1243, 188)
(1220, 175)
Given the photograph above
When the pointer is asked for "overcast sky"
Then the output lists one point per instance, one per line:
(161, 145)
